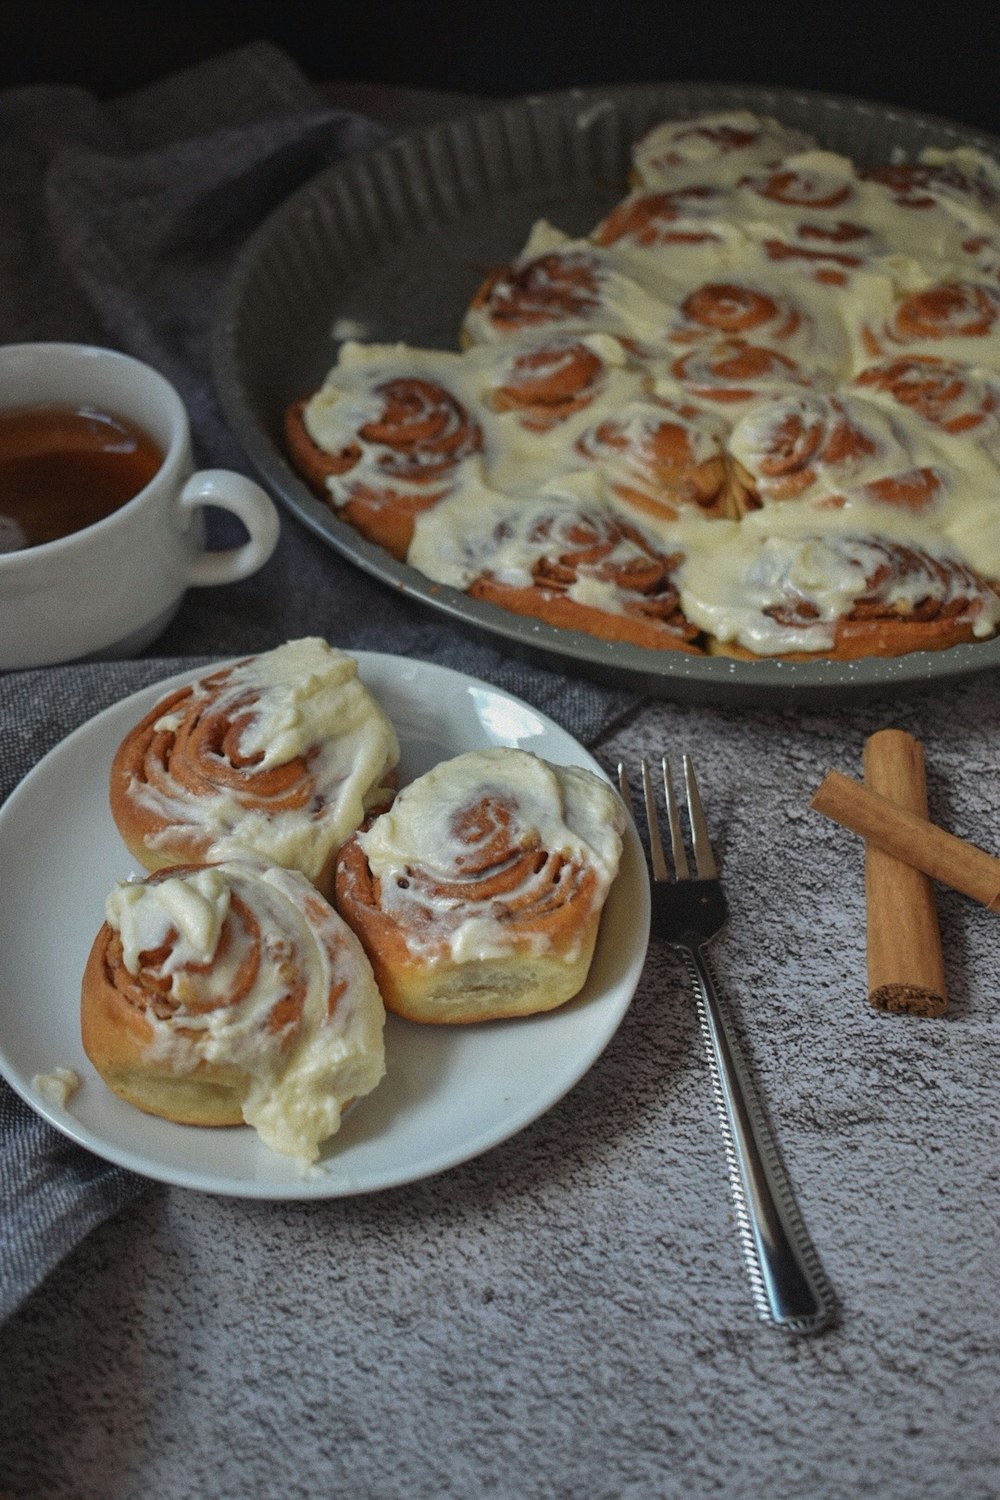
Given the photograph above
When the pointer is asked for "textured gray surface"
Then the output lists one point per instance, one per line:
(567, 1315)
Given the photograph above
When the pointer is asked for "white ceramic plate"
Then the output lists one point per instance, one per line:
(449, 1092)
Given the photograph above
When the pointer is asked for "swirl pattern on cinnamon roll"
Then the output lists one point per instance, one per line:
(550, 288)
(837, 594)
(548, 381)
(824, 448)
(478, 895)
(383, 440)
(720, 147)
(280, 756)
(756, 313)
(733, 310)
(560, 283)
(955, 398)
(662, 457)
(820, 252)
(569, 561)
(229, 993)
(929, 184)
(801, 186)
(950, 319)
(731, 371)
(651, 221)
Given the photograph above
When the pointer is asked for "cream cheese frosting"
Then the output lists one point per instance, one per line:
(303, 703)
(779, 585)
(58, 1086)
(562, 810)
(232, 943)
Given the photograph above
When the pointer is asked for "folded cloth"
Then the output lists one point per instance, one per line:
(119, 223)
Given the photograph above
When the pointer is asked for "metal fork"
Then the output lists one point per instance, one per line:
(786, 1278)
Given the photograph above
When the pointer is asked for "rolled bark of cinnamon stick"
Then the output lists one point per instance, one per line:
(905, 960)
(913, 839)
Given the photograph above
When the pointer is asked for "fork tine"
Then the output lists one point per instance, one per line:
(703, 857)
(656, 855)
(681, 867)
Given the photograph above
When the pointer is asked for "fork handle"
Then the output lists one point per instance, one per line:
(788, 1283)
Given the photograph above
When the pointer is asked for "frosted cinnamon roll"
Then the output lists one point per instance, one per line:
(954, 398)
(281, 756)
(753, 310)
(964, 183)
(728, 372)
(663, 458)
(729, 309)
(832, 594)
(830, 254)
(567, 561)
(818, 181)
(479, 894)
(230, 993)
(385, 437)
(949, 319)
(653, 221)
(720, 147)
(821, 447)
(549, 380)
(558, 283)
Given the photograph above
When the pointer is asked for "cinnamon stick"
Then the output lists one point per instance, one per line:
(911, 838)
(905, 961)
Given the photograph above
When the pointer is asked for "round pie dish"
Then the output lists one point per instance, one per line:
(390, 246)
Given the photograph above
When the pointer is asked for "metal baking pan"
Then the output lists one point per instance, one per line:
(390, 245)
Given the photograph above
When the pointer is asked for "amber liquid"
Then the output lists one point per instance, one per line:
(64, 467)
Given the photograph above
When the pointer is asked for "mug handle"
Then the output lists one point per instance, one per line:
(246, 500)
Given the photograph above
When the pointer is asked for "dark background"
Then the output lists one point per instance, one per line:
(945, 59)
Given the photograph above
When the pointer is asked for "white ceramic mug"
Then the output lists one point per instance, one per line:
(112, 588)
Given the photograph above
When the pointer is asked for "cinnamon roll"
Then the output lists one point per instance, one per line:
(652, 221)
(963, 184)
(731, 372)
(721, 148)
(229, 993)
(384, 439)
(825, 448)
(755, 312)
(662, 457)
(558, 284)
(280, 756)
(570, 562)
(548, 381)
(805, 184)
(950, 319)
(478, 895)
(734, 310)
(956, 399)
(797, 594)
(829, 254)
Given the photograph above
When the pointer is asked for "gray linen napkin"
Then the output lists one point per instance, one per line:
(119, 223)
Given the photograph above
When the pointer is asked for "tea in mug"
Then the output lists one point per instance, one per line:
(64, 467)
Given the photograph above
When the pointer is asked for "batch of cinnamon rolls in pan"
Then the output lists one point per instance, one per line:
(756, 411)
(296, 890)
